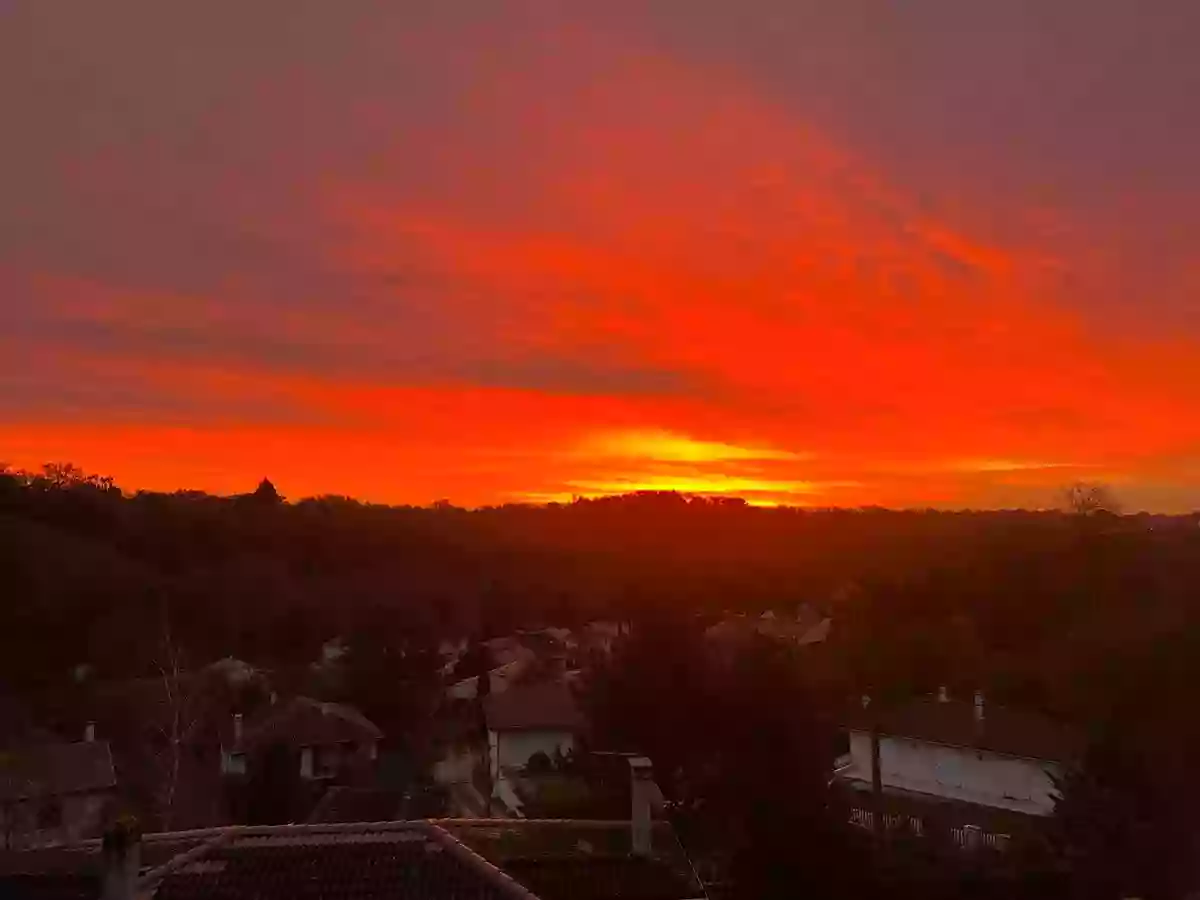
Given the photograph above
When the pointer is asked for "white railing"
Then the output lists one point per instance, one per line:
(963, 836)
(865, 818)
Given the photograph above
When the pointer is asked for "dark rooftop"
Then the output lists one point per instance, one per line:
(952, 722)
(304, 721)
(580, 859)
(56, 768)
(444, 859)
(547, 706)
(408, 861)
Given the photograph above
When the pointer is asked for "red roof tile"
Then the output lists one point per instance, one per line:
(396, 863)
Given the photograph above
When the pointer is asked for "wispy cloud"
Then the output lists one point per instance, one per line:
(664, 446)
(582, 250)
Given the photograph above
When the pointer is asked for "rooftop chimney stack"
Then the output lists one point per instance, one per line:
(943, 694)
(237, 728)
(89, 732)
(121, 853)
(641, 773)
(979, 707)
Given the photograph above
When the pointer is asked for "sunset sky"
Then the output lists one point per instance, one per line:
(922, 253)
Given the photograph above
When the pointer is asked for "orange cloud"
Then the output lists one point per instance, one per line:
(646, 277)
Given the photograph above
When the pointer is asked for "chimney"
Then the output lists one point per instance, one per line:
(866, 700)
(979, 708)
(89, 732)
(943, 694)
(237, 729)
(641, 782)
(121, 855)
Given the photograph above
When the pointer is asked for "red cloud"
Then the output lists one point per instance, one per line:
(628, 214)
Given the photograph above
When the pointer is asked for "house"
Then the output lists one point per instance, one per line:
(529, 719)
(500, 679)
(442, 859)
(55, 792)
(330, 741)
(962, 765)
(808, 626)
(166, 736)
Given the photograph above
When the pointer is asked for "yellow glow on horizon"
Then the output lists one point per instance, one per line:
(666, 446)
(1010, 465)
(707, 485)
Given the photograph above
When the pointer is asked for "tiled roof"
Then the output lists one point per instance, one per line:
(550, 705)
(407, 861)
(952, 722)
(439, 860)
(302, 721)
(567, 859)
(56, 769)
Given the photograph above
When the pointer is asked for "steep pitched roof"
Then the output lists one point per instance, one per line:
(302, 721)
(952, 722)
(565, 859)
(395, 861)
(547, 706)
(57, 769)
(446, 859)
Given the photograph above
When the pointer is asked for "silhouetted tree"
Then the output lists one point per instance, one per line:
(1088, 499)
(274, 791)
(265, 493)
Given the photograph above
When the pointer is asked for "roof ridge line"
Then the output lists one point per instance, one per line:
(483, 866)
(605, 823)
(180, 860)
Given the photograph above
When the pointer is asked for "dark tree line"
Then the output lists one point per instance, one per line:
(1088, 615)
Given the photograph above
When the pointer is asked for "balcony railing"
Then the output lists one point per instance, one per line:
(965, 837)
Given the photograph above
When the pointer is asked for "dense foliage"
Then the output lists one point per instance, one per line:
(1091, 616)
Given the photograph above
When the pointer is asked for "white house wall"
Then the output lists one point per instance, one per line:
(512, 749)
(958, 773)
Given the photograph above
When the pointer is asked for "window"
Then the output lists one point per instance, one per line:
(235, 764)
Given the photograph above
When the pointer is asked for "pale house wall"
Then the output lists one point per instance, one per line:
(512, 749)
(959, 773)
